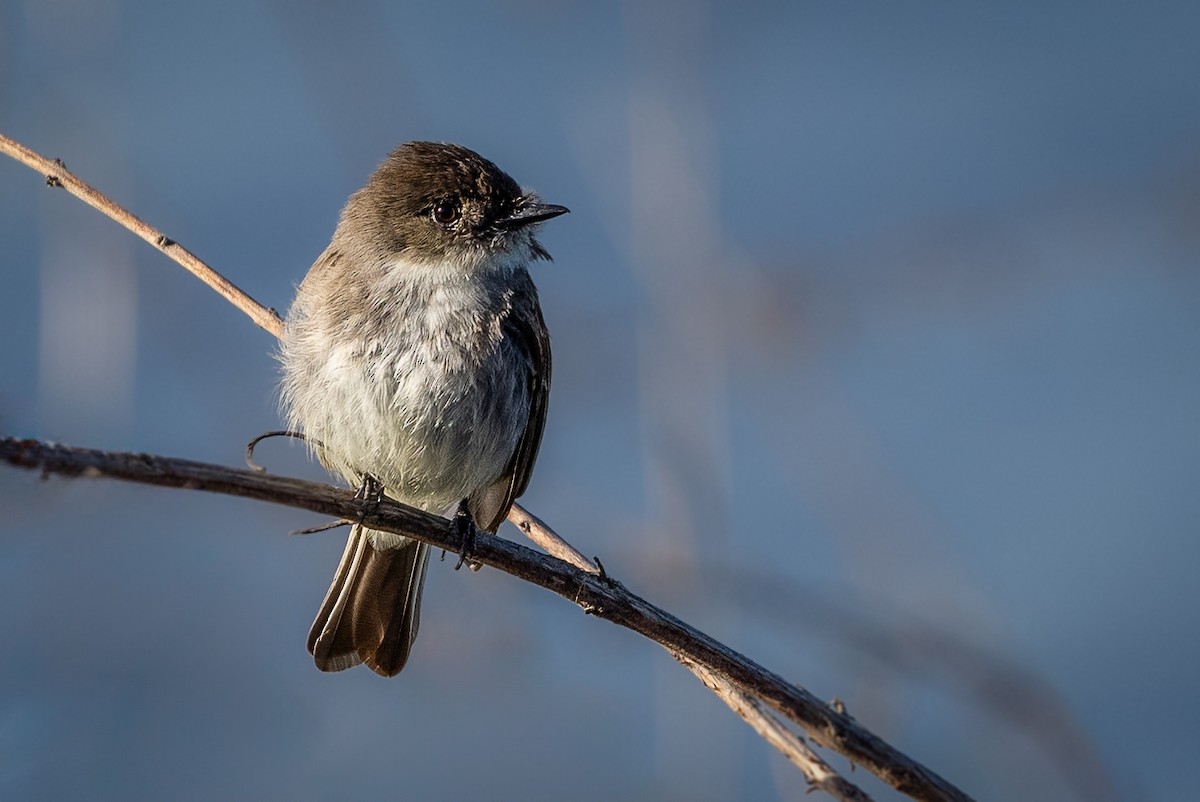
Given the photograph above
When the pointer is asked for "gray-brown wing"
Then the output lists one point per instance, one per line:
(525, 327)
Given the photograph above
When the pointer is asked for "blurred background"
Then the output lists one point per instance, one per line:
(877, 357)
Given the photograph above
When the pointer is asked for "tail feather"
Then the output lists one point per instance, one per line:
(373, 608)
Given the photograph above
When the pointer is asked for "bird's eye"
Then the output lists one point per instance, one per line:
(446, 212)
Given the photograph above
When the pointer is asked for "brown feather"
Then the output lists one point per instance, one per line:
(372, 611)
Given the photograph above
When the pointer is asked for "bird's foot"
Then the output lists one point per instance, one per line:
(462, 526)
(370, 492)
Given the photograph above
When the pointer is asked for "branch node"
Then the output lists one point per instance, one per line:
(53, 180)
(164, 241)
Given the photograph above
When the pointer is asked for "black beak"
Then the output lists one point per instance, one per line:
(528, 213)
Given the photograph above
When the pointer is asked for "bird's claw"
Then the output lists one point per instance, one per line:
(462, 527)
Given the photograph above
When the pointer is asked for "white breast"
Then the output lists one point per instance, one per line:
(423, 391)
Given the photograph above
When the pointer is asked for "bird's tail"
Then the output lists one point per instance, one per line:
(373, 608)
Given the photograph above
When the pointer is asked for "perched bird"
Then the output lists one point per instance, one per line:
(415, 356)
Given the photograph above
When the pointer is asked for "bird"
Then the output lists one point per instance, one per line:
(415, 360)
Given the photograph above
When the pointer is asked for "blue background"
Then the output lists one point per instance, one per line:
(877, 357)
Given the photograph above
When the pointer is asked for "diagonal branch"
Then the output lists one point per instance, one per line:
(773, 731)
(536, 530)
(57, 175)
(598, 595)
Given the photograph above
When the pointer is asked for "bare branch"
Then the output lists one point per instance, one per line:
(600, 596)
(57, 175)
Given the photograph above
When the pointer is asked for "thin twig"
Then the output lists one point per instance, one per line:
(325, 527)
(536, 530)
(57, 175)
(820, 775)
(597, 595)
(253, 444)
